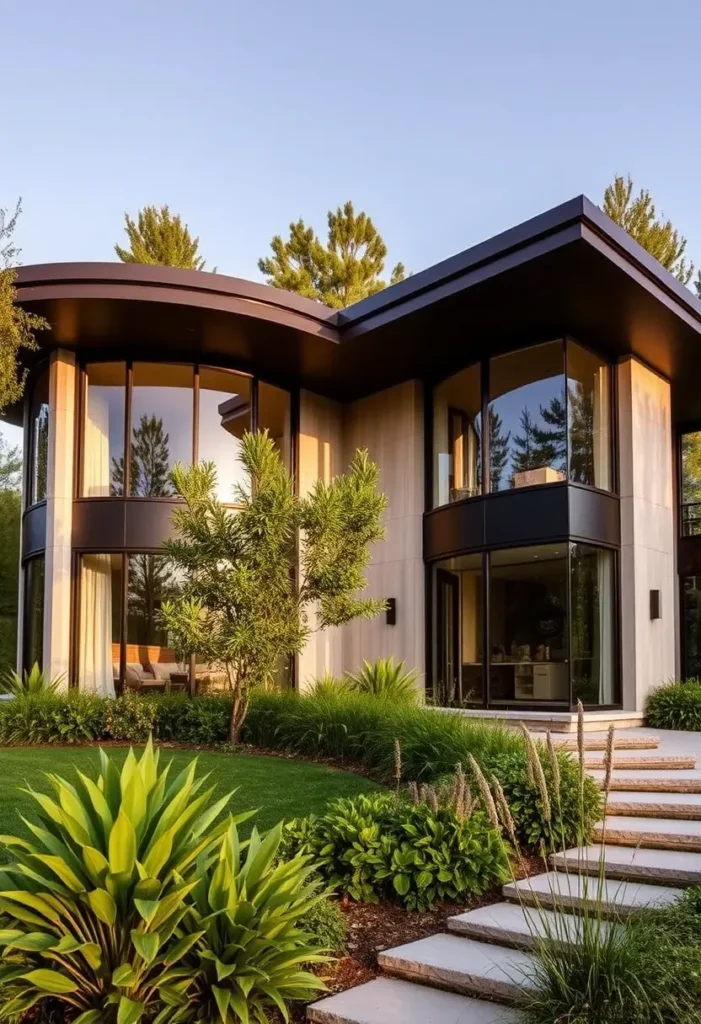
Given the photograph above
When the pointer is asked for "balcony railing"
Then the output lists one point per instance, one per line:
(691, 519)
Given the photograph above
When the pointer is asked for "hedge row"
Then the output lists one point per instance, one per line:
(353, 728)
(675, 706)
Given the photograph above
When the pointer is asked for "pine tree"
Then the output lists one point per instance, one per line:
(498, 450)
(17, 326)
(10, 467)
(551, 439)
(150, 462)
(581, 415)
(638, 217)
(342, 272)
(160, 238)
(526, 454)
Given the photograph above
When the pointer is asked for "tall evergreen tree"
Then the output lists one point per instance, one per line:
(581, 415)
(159, 238)
(526, 453)
(637, 215)
(348, 268)
(150, 462)
(17, 326)
(498, 450)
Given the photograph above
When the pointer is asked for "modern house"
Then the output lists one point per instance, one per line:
(532, 404)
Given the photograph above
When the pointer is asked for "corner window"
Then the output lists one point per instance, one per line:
(39, 439)
(161, 426)
(527, 418)
(691, 483)
(224, 415)
(457, 427)
(588, 418)
(691, 626)
(103, 430)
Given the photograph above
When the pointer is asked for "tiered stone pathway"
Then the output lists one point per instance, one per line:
(479, 970)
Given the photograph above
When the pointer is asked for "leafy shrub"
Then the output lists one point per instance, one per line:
(385, 678)
(52, 718)
(92, 906)
(245, 915)
(377, 846)
(203, 721)
(675, 706)
(130, 718)
(326, 923)
(28, 682)
(358, 729)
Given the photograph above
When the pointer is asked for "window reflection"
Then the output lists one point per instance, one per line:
(39, 427)
(103, 431)
(33, 627)
(225, 413)
(456, 437)
(691, 483)
(593, 670)
(161, 427)
(692, 627)
(458, 672)
(274, 416)
(527, 418)
(589, 418)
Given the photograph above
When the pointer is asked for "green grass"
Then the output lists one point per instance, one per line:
(279, 787)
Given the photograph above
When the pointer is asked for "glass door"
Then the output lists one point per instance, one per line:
(448, 685)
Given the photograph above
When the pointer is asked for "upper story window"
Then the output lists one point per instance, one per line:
(690, 485)
(39, 439)
(177, 413)
(548, 410)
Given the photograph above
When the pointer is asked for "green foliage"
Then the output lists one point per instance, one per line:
(10, 467)
(326, 923)
(10, 522)
(675, 705)
(53, 718)
(567, 824)
(17, 326)
(247, 913)
(647, 971)
(378, 846)
(29, 682)
(239, 605)
(361, 730)
(348, 268)
(638, 217)
(131, 718)
(387, 679)
(160, 238)
(93, 906)
(203, 721)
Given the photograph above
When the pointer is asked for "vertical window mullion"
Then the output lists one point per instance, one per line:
(486, 469)
(127, 430)
(123, 622)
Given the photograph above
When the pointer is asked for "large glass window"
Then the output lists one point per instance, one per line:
(103, 431)
(528, 625)
(458, 661)
(692, 627)
(99, 623)
(161, 426)
(274, 416)
(33, 627)
(691, 483)
(457, 419)
(589, 418)
(224, 415)
(593, 625)
(39, 439)
(527, 418)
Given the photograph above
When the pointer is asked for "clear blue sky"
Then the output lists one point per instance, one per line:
(446, 121)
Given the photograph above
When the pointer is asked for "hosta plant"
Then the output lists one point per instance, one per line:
(91, 906)
(248, 911)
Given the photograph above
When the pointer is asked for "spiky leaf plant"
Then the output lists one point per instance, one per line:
(35, 681)
(248, 911)
(385, 678)
(91, 906)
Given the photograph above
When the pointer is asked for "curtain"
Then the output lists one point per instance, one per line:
(601, 439)
(95, 673)
(603, 651)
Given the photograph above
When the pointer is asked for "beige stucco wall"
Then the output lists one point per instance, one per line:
(647, 530)
(390, 425)
(59, 515)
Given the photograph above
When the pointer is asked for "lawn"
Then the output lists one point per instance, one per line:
(280, 788)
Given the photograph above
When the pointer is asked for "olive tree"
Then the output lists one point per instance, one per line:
(241, 603)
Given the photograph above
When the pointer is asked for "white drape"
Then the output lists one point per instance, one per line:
(95, 641)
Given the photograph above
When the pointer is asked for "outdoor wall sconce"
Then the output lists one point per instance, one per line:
(391, 613)
(655, 612)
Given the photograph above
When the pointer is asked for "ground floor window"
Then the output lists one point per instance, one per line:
(545, 616)
(33, 612)
(691, 625)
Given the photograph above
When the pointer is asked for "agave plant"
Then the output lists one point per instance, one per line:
(90, 908)
(385, 678)
(248, 912)
(326, 685)
(27, 683)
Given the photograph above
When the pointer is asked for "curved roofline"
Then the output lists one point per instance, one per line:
(197, 288)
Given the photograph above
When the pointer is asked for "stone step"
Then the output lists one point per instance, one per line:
(390, 1001)
(620, 743)
(686, 806)
(658, 867)
(512, 924)
(656, 833)
(462, 965)
(644, 763)
(559, 891)
(652, 781)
